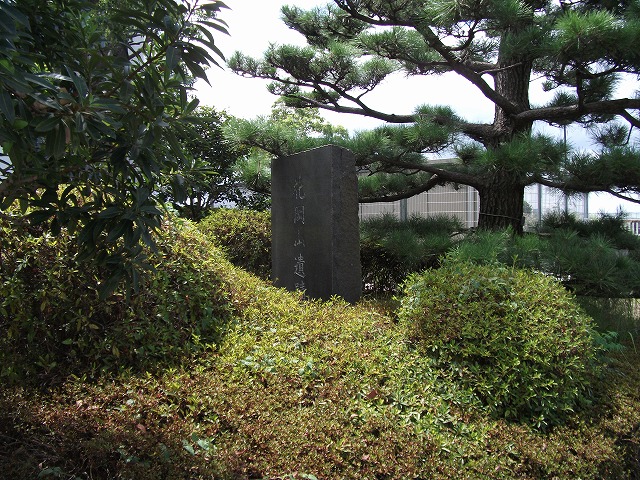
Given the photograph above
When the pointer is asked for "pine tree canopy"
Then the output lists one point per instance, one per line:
(580, 50)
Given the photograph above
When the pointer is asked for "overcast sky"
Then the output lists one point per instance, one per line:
(254, 24)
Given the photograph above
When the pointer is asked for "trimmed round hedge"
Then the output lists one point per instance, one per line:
(516, 337)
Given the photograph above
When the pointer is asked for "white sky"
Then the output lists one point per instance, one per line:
(254, 24)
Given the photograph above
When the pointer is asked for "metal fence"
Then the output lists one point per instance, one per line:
(462, 202)
(633, 224)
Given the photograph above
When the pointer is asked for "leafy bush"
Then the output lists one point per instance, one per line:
(516, 337)
(390, 249)
(244, 235)
(599, 258)
(54, 323)
(318, 389)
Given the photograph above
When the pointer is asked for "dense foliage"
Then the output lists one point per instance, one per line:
(92, 95)
(244, 235)
(597, 258)
(207, 177)
(54, 323)
(580, 51)
(611, 227)
(283, 132)
(515, 337)
(279, 388)
(391, 249)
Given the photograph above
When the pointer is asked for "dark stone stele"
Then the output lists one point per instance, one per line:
(314, 212)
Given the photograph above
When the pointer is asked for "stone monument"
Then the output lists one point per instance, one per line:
(314, 223)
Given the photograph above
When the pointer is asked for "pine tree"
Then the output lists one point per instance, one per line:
(581, 49)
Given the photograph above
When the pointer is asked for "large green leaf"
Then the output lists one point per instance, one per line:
(6, 107)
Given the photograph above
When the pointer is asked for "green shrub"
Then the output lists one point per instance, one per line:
(245, 236)
(53, 322)
(390, 249)
(621, 315)
(593, 265)
(516, 337)
(588, 265)
(484, 247)
(611, 227)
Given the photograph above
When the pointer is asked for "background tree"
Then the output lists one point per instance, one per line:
(206, 176)
(284, 131)
(581, 48)
(91, 95)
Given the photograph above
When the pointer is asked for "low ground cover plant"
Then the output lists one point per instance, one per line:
(282, 387)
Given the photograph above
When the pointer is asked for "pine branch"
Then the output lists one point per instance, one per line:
(362, 110)
(432, 39)
(623, 197)
(575, 112)
(465, 71)
(351, 8)
(434, 181)
(483, 68)
(577, 186)
(480, 132)
(443, 175)
(630, 118)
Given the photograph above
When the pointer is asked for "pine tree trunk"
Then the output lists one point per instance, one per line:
(502, 194)
(502, 203)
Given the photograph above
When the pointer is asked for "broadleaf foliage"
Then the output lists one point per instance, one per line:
(90, 94)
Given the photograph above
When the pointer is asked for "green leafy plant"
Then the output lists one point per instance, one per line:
(206, 176)
(92, 94)
(516, 337)
(54, 322)
(245, 235)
